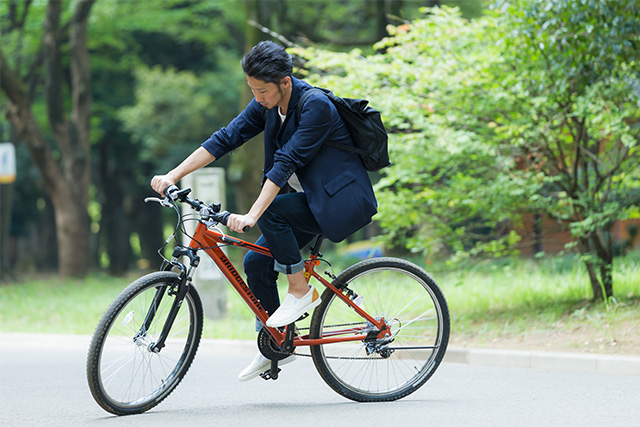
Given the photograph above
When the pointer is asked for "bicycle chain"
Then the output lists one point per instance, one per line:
(270, 350)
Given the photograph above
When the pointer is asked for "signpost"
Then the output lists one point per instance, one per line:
(7, 163)
(7, 177)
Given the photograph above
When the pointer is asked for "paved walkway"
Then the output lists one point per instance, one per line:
(576, 362)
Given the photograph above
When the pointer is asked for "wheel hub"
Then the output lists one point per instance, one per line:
(380, 344)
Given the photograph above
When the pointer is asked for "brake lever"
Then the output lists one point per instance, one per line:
(164, 202)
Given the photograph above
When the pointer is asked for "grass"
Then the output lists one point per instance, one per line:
(526, 297)
(485, 299)
(53, 305)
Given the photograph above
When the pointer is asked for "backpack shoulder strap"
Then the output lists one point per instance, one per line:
(304, 98)
(327, 92)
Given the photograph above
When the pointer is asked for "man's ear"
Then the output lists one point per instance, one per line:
(286, 81)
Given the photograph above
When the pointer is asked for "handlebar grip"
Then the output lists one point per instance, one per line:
(170, 191)
(224, 217)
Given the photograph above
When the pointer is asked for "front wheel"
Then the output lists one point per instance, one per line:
(382, 369)
(125, 374)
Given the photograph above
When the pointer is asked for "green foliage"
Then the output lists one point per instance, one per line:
(176, 109)
(573, 70)
(534, 106)
(575, 106)
(24, 44)
(203, 38)
(485, 115)
(448, 190)
(522, 297)
(117, 22)
(581, 42)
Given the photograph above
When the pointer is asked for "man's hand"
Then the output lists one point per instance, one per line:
(196, 160)
(237, 223)
(160, 182)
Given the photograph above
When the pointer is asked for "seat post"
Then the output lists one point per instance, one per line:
(315, 249)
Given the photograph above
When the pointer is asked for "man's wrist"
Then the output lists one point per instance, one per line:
(252, 216)
(173, 176)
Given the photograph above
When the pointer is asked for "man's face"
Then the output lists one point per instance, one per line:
(269, 95)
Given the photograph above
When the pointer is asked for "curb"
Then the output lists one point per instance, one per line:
(554, 361)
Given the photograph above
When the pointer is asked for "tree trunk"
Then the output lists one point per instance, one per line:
(381, 20)
(593, 279)
(601, 242)
(72, 226)
(67, 182)
(114, 225)
(146, 219)
(46, 255)
(599, 263)
(116, 232)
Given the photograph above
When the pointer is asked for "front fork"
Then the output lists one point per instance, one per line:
(178, 290)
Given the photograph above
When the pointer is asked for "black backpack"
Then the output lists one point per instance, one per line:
(364, 124)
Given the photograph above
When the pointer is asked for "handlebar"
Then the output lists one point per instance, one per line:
(207, 211)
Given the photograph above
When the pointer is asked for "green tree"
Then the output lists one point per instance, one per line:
(133, 47)
(574, 89)
(204, 38)
(447, 190)
(521, 109)
(61, 60)
(122, 36)
(175, 110)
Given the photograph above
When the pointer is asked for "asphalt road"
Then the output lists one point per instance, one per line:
(42, 383)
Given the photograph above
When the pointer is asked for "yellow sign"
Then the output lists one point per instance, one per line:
(7, 163)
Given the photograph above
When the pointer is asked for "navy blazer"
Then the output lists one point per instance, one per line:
(335, 182)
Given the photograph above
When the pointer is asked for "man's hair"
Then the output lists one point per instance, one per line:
(267, 61)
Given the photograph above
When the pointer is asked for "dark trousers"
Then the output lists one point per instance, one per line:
(287, 226)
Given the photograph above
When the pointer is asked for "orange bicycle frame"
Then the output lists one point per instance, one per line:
(211, 241)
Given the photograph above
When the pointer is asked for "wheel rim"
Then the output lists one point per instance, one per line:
(414, 316)
(129, 372)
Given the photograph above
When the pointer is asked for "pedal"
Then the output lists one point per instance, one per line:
(271, 374)
(267, 375)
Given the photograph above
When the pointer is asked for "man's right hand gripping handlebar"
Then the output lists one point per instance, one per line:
(160, 183)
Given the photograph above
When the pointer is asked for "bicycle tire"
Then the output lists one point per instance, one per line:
(125, 376)
(415, 310)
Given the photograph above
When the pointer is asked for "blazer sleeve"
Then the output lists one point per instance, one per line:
(317, 119)
(249, 123)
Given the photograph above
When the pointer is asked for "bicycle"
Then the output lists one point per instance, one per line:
(379, 334)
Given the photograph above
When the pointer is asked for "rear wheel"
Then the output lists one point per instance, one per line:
(125, 374)
(382, 369)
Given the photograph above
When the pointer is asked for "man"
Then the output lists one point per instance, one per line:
(336, 199)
